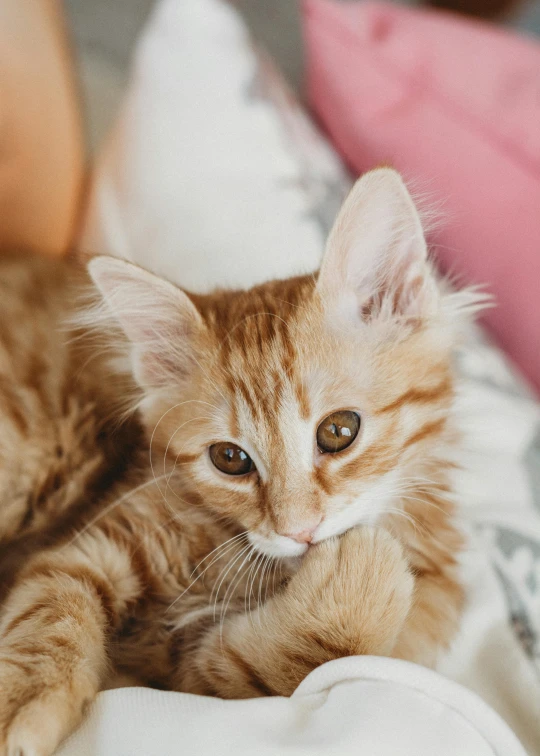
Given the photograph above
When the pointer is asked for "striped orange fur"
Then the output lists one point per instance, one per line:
(123, 549)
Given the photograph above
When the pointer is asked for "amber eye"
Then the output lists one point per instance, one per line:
(231, 459)
(338, 431)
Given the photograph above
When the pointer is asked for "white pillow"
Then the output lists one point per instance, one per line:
(203, 179)
(213, 176)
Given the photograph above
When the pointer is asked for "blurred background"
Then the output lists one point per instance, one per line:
(105, 31)
(183, 112)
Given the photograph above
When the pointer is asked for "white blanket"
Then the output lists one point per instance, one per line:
(361, 706)
(213, 175)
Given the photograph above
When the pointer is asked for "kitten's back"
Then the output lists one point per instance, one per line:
(60, 443)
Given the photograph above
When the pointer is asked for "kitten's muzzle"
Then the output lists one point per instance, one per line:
(306, 533)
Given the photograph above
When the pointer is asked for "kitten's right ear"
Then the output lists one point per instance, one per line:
(160, 321)
(375, 264)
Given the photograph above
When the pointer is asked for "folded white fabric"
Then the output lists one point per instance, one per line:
(214, 176)
(361, 706)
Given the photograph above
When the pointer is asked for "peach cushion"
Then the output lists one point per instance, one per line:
(455, 106)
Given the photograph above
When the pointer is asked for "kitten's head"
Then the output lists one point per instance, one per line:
(300, 408)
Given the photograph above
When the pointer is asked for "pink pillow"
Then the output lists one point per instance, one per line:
(455, 106)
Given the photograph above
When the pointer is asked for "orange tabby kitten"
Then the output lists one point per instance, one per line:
(296, 502)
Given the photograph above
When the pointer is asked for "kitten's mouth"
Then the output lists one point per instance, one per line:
(277, 546)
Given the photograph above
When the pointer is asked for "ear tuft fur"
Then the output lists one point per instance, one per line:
(158, 319)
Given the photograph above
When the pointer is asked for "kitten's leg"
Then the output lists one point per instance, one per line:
(350, 596)
(53, 636)
(434, 618)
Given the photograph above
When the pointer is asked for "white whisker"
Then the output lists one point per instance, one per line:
(231, 545)
(231, 591)
(222, 576)
(221, 546)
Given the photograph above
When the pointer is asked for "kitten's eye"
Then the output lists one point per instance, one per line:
(338, 431)
(230, 459)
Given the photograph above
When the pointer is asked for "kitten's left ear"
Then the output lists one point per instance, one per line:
(160, 321)
(376, 258)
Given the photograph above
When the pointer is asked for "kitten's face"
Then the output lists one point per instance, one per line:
(295, 429)
(299, 409)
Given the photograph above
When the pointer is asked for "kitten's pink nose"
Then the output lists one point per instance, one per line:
(303, 536)
(306, 534)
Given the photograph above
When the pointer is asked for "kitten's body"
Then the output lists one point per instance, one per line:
(61, 446)
(181, 575)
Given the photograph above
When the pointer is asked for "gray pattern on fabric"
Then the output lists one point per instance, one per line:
(516, 561)
(323, 177)
(491, 366)
(531, 460)
(509, 541)
(328, 196)
(514, 554)
(519, 619)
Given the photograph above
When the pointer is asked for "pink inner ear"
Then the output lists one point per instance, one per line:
(400, 288)
(156, 369)
(165, 351)
(405, 285)
(158, 319)
(377, 253)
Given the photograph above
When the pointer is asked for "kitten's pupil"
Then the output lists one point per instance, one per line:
(230, 459)
(338, 431)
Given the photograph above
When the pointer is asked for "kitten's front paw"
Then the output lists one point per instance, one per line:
(35, 715)
(359, 590)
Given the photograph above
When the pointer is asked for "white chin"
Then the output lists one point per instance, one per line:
(277, 546)
(344, 521)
